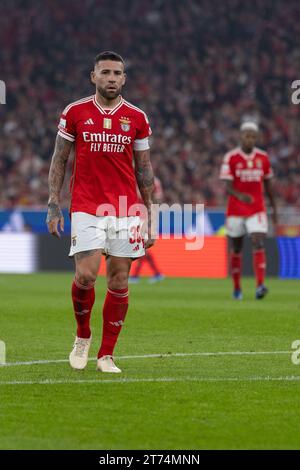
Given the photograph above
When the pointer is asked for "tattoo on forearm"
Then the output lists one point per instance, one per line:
(58, 167)
(144, 176)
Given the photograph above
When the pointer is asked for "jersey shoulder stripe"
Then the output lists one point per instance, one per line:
(230, 154)
(76, 103)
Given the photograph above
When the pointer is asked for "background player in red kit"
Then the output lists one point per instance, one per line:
(149, 258)
(247, 171)
(107, 132)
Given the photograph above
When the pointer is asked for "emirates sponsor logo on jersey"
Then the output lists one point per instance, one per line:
(104, 142)
(103, 137)
(125, 124)
(247, 174)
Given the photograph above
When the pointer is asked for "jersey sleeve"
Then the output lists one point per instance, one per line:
(143, 133)
(268, 171)
(226, 171)
(66, 125)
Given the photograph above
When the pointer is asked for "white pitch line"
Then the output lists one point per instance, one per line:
(153, 356)
(154, 380)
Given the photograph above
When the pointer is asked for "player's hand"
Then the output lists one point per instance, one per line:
(147, 236)
(54, 219)
(246, 198)
(149, 242)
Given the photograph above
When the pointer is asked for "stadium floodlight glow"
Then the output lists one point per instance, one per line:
(2, 92)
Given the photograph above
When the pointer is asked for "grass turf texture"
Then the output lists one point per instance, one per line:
(192, 411)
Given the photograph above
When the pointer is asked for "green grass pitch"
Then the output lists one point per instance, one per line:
(165, 401)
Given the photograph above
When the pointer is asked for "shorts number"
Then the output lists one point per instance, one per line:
(135, 235)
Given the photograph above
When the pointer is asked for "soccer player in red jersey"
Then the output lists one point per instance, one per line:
(248, 172)
(107, 134)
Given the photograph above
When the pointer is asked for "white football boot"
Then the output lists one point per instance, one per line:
(106, 364)
(80, 353)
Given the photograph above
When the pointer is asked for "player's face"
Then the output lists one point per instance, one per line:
(248, 139)
(109, 78)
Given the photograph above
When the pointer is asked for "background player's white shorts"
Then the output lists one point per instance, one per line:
(239, 226)
(116, 236)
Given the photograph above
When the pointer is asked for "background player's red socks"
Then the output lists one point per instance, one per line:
(83, 300)
(235, 268)
(114, 313)
(259, 265)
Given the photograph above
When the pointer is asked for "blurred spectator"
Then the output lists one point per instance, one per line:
(15, 222)
(196, 66)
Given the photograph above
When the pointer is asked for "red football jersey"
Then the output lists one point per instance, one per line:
(104, 143)
(247, 173)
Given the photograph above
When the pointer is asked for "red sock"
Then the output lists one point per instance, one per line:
(83, 300)
(259, 265)
(235, 267)
(114, 313)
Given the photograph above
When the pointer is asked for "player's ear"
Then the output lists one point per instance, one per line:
(93, 77)
(124, 79)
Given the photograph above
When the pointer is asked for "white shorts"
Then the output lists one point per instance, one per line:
(116, 236)
(239, 226)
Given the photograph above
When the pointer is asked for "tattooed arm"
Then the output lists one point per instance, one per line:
(145, 181)
(56, 178)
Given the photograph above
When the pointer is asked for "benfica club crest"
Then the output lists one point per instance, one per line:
(259, 163)
(125, 124)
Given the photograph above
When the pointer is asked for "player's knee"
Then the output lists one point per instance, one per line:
(86, 277)
(257, 246)
(118, 280)
(257, 243)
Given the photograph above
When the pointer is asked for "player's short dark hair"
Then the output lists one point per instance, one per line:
(109, 55)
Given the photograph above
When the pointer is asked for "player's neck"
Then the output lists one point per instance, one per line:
(247, 151)
(105, 103)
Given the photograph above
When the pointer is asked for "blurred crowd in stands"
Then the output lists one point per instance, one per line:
(197, 67)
